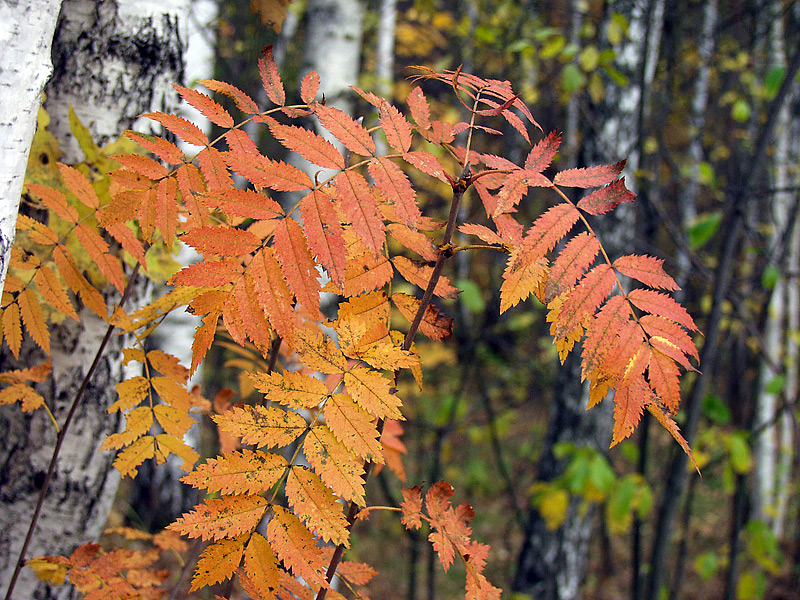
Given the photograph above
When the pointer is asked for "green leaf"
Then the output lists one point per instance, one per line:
(471, 295)
(572, 78)
(773, 80)
(770, 277)
(741, 111)
(619, 506)
(553, 46)
(589, 58)
(704, 229)
(775, 385)
(739, 453)
(706, 565)
(716, 410)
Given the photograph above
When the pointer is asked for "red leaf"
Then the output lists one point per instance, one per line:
(542, 154)
(396, 188)
(298, 265)
(309, 145)
(186, 130)
(274, 294)
(602, 332)
(243, 101)
(429, 164)
(420, 110)
(628, 403)
(647, 269)
(324, 234)
(396, 128)
(309, 87)
(663, 374)
(349, 132)
(515, 186)
(671, 332)
(590, 176)
(361, 207)
(606, 199)
(270, 78)
(577, 256)
(207, 107)
(584, 299)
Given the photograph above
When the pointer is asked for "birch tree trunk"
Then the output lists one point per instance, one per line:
(113, 60)
(25, 38)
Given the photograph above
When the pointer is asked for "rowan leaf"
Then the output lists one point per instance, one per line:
(209, 274)
(28, 398)
(420, 110)
(434, 324)
(324, 234)
(260, 567)
(129, 459)
(515, 186)
(339, 468)
(359, 203)
(602, 332)
(309, 145)
(629, 400)
(586, 297)
(350, 133)
(270, 78)
(356, 573)
(366, 273)
(309, 87)
(396, 188)
(353, 427)
(173, 393)
(319, 352)
(221, 241)
(521, 278)
(548, 230)
(483, 232)
(273, 292)
(316, 506)
(607, 198)
(215, 169)
(647, 269)
(186, 130)
(262, 426)
(659, 327)
(248, 204)
(243, 102)
(295, 390)
(590, 176)
(131, 392)
(169, 444)
(428, 164)
(218, 562)
(33, 318)
(662, 305)
(78, 283)
(53, 292)
(412, 507)
(174, 422)
(207, 106)
(373, 392)
(666, 421)
(395, 126)
(217, 518)
(296, 547)
(664, 376)
(79, 185)
(419, 275)
(12, 328)
(274, 174)
(297, 264)
(242, 472)
(578, 255)
(138, 421)
(55, 201)
(164, 150)
(542, 154)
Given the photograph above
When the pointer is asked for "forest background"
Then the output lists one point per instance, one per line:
(693, 94)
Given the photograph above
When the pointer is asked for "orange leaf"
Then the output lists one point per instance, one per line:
(542, 154)
(218, 518)
(586, 297)
(174, 422)
(324, 233)
(275, 296)
(420, 275)
(366, 273)
(361, 207)
(243, 101)
(203, 338)
(297, 264)
(186, 130)
(77, 282)
(270, 78)
(260, 567)
(628, 403)
(173, 393)
(166, 151)
(515, 186)
(209, 274)
(664, 374)
(602, 331)
(647, 269)
(309, 145)
(521, 278)
(128, 461)
(53, 292)
(434, 324)
(396, 128)
(12, 328)
(548, 230)
(207, 106)
(317, 506)
(420, 110)
(339, 468)
(309, 87)
(671, 332)
(28, 398)
(262, 426)
(412, 507)
(218, 562)
(428, 164)
(274, 174)
(167, 444)
(577, 256)
(97, 249)
(33, 318)
(222, 240)
(131, 392)
(396, 189)
(296, 547)
(55, 201)
(243, 472)
(80, 185)
(248, 204)
(349, 132)
(662, 305)
(214, 169)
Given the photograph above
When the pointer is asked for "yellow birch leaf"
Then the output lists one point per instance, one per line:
(290, 389)
(243, 472)
(33, 318)
(262, 426)
(296, 547)
(339, 468)
(219, 518)
(173, 421)
(128, 461)
(52, 291)
(372, 392)
(12, 328)
(260, 567)
(131, 392)
(20, 392)
(353, 427)
(218, 562)
(316, 506)
(138, 421)
(168, 444)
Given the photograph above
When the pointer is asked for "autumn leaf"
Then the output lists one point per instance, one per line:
(339, 468)
(353, 427)
(218, 562)
(242, 472)
(262, 426)
(296, 547)
(217, 518)
(317, 506)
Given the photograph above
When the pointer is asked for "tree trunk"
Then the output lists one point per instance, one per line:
(25, 57)
(112, 61)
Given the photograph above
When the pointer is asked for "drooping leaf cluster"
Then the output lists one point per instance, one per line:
(271, 518)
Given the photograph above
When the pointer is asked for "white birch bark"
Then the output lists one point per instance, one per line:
(25, 39)
(113, 60)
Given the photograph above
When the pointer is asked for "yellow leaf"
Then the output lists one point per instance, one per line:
(296, 547)
(48, 571)
(22, 393)
(243, 472)
(319, 352)
(262, 426)
(339, 468)
(353, 427)
(174, 394)
(290, 389)
(138, 422)
(553, 507)
(317, 506)
(128, 461)
(372, 392)
(131, 392)
(12, 328)
(219, 518)
(168, 444)
(168, 365)
(218, 562)
(33, 318)
(174, 422)
(260, 568)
